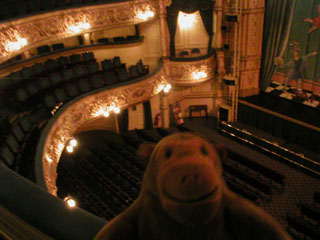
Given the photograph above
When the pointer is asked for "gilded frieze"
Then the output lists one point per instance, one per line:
(74, 115)
(187, 73)
(41, 29)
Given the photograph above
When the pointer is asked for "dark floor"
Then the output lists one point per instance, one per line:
(299, 187)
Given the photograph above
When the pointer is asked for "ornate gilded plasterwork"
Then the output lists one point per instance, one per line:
(181, 73)
(40, 29)
(74, 115)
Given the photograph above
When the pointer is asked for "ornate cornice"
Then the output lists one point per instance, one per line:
(182, 73)
(41, 29)
(75, 114)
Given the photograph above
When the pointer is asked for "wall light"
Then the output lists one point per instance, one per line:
(186, 20)
(144, 15)
(70, 201)
(116, 110)
(167, 88)
(79, 27)
(106, 114)
(199, 74)
(49, 159)
(15, 46)
(73, 142)
(70, 149)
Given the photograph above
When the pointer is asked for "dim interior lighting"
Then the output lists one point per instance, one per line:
(199, 74)
(70, 149)
(70, 201)
(15, 46)
(186, 20)
(144, 15)
(106, 114)
(79, 27)
(73, 142)
(167, 88)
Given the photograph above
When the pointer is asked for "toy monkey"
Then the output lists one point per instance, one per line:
(184, 197)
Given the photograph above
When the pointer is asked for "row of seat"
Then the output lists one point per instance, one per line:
(111, 169)
(34, 98)
(257, 167)
(21, 8)
(118, 39)
(85, 197)
(249, 181)
(301, 228)
(242, 189)
(47, 49)
(27, 74)
(118, 162)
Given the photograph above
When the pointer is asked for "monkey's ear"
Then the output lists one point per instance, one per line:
(222, 151)
(145, 149)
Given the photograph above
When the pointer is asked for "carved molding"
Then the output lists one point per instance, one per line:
(181, 73)
(75, 114)
(40, 29)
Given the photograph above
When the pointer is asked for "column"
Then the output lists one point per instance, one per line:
(251, 46)
(219, 39)
(165, 110)
(163, 28)
(86, 38)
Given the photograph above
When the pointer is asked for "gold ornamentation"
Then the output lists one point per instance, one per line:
(41, 29)
(72, 116)
(182, 72)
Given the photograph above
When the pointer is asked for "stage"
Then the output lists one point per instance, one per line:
(286, 116)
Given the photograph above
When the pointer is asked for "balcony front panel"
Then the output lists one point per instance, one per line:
(190, 72)
(74, 115)
(20, 35)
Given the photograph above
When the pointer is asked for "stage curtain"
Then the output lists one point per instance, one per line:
(123, 120)
(147, 115)
(277, 25)
(189, 6)
(206, 13)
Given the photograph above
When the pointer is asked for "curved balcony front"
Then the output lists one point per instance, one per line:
(83, 109)
(26, 33)
(190, 71)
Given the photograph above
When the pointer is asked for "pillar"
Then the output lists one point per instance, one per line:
(219, 39)
(163, 31)
(165, 110)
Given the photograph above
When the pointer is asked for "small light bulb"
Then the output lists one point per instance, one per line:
(116, 110)
(73, 142)
(70, 149)
(167, 88)
(86, 26)
(106, 114)
(70, 201)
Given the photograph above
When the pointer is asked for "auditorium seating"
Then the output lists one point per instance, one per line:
(115, 158)
(267, 172)
(38, 91)
(303, 226)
